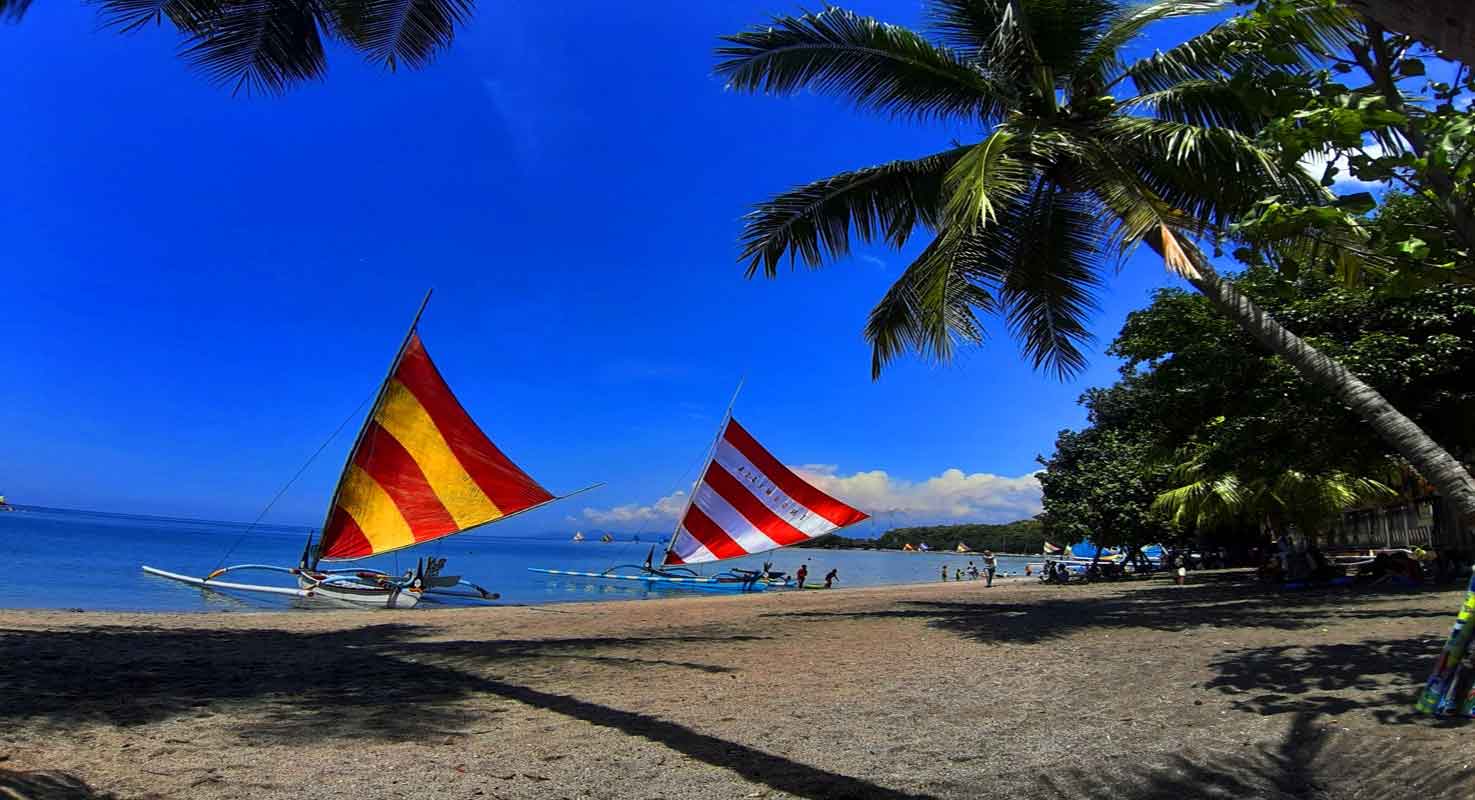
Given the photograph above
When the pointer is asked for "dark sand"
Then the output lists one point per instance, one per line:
(1218, 689)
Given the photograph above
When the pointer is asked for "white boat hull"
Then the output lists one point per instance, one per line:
(307, 589)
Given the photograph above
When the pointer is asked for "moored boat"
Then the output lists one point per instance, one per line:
(744, 502)
(419, 470)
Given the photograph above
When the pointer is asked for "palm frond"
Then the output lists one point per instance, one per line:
(396, 32)
(13, 10)
(1203, 103)
(1185, 167)
(1064, 31)
(258, 45)
(1101, 62)
(814, 222)
(933, 307)
(1231, 47)
(130, 15)
(989, 176)
(878, 66)
(1050, 258)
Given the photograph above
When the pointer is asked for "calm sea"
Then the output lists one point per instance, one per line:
(79, 559)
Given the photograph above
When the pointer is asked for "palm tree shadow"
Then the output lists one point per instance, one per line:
(376, 681)
(47, 785)
(1223, 600)
(1380, 675)
(380, 682)
(1308, 762)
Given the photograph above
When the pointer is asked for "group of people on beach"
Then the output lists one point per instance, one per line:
(803, 575)
(990, 568)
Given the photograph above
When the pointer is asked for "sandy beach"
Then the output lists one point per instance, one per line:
(1217, 689)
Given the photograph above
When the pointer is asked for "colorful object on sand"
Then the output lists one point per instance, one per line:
(747, 502)
(1449, 690)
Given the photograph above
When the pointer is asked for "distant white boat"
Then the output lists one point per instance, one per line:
(578, 536)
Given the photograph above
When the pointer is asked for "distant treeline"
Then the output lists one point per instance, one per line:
(1022, 536)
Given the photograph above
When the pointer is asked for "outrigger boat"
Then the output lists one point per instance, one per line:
(419, 470)
(744, 502)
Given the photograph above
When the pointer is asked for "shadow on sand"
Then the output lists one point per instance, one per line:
(1310, 761)
(377, 682)
(1228, 600)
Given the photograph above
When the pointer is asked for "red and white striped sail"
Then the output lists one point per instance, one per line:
(748, 502)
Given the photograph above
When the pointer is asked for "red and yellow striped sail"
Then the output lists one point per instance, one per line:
(422, 470)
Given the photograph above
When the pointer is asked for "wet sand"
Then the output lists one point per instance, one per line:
(1217, 689)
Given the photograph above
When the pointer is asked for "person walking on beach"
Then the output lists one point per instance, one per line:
(830, 577)
(802, 574)
(990, 565)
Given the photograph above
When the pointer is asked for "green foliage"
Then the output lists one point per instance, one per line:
(1366, 103)
(1021, 536)
(1069, 168)
(1231, 437)
(1100, 484)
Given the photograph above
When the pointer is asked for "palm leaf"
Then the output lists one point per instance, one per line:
(1101, 62)
(258, 45)
(987, 178)
(932, 307)
(1185, 167)
(395, 32)
(1053, 273)
(814, 222)
(13, 10)
(1232, 47)
(191, 16)
(878, 66)
(1202, 103)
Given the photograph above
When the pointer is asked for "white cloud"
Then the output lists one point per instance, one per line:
(1343, 181)
(636, 515)
(951, 496)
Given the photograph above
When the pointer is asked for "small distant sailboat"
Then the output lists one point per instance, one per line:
(907, 548)
(578, 536)
(4, 506)
(963, 548)
(606, 538)
(744, 502)
(420, 470)
(924, 548)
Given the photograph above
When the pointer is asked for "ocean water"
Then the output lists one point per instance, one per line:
(89, 560)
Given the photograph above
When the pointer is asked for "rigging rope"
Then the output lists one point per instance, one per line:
(288, 485)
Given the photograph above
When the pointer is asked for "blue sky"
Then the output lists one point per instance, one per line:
(197, 289)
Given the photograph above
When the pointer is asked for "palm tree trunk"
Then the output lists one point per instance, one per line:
(1398, 431)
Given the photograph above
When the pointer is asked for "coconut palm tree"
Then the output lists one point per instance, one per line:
(270, 45)
(1080, 157)
(1207, 498)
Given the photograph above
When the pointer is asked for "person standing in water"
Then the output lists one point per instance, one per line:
(802, 574)
(990, 565)
(944, 572)
(830, 577)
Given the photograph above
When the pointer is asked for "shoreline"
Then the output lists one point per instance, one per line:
(941, 690)
(450, 608)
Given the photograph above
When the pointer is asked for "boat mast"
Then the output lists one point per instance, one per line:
(691, 495)
(373, 409)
